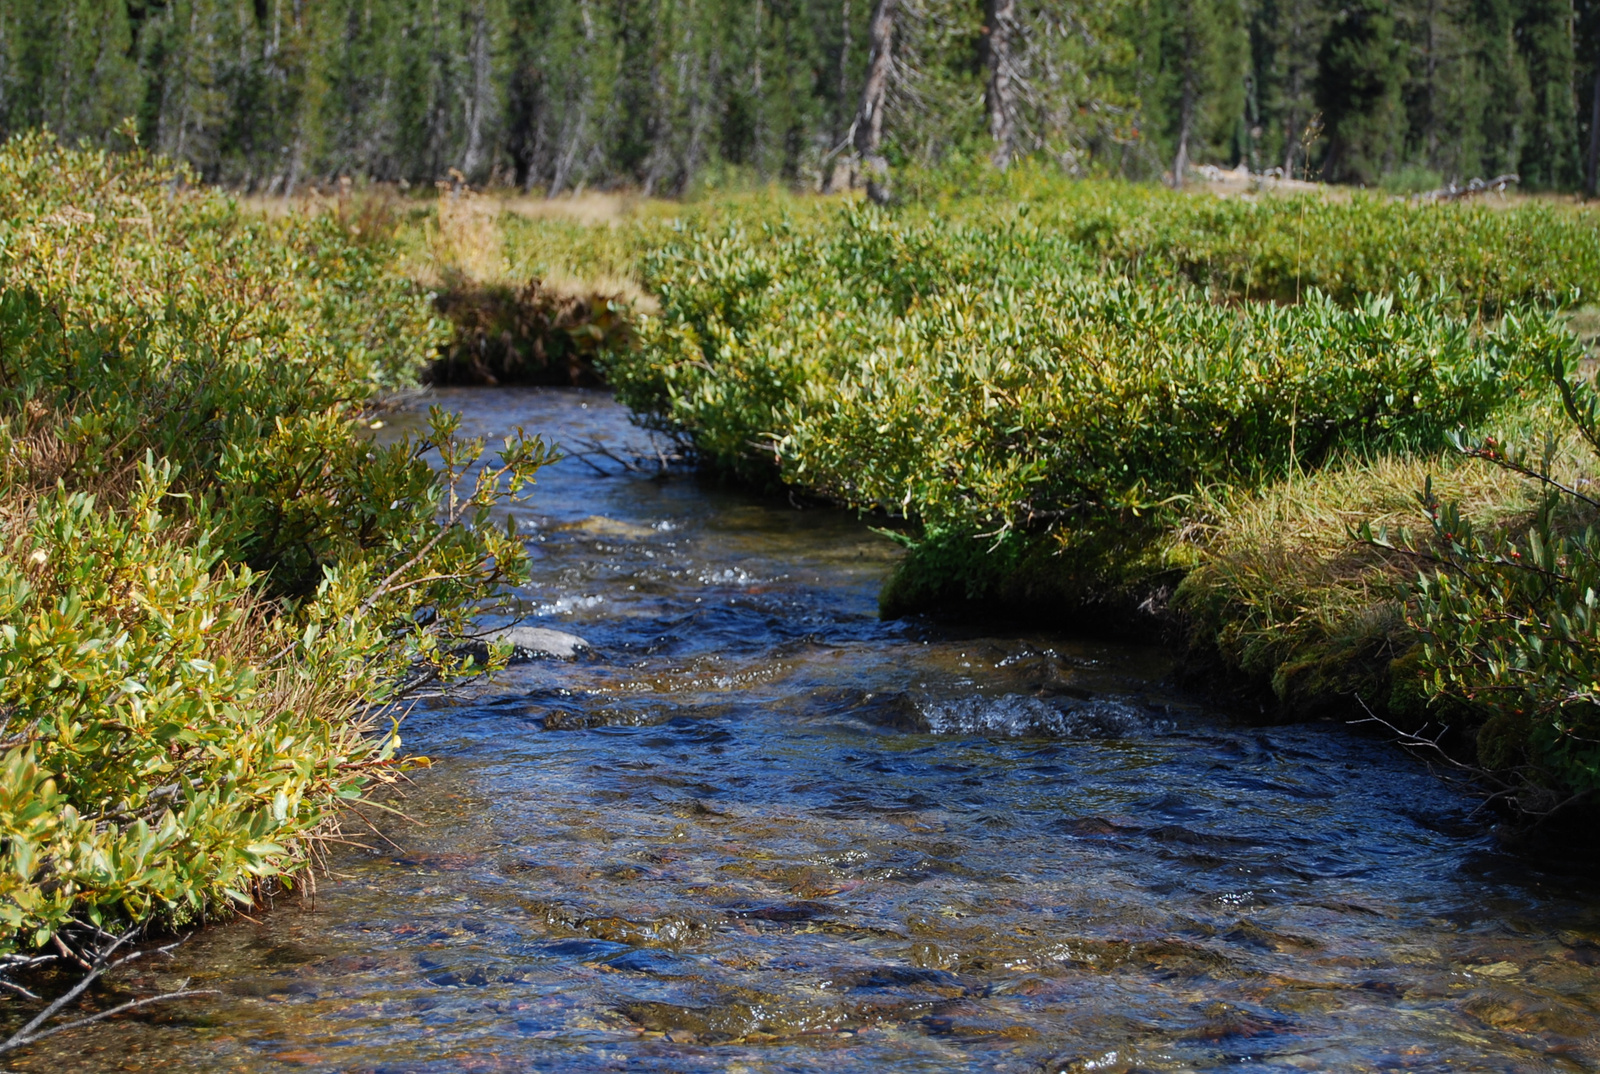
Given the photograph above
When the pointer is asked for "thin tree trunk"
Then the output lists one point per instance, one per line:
(1180, 163)
(1291, 127)
(758, 93)
(830, 181)
(999, 95)
(575, 127)
(482, 90)
(692, 76)
(293, 180)
(655, 165)
(1591, 184)
(1290, 135)
(1432, 71)
(869, 118)
(844, 68)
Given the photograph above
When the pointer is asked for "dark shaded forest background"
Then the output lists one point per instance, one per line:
(671, 95)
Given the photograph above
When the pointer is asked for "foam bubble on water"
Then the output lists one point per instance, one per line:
(568, 605)
(1017, 716)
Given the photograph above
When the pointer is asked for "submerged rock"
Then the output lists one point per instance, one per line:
(1010, 716)
(529, 643)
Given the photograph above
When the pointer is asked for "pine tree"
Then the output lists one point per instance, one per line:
(1190, 76)
(554, 94)
(1286, 37)
(1544, 32)
(64, 65)
(1358, 91)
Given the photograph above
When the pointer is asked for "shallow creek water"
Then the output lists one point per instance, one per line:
(759, 830)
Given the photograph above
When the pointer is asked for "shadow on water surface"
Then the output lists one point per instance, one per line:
(758, 829)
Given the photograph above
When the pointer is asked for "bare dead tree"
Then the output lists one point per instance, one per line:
(867, 130)
(999, 94)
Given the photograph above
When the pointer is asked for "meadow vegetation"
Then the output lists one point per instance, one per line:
(1258, 422)
(1475, 258)
(1179, 411)
(212, 581)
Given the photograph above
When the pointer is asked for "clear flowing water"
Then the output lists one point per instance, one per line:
(759, 830)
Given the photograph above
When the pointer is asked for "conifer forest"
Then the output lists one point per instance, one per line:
(668, 95)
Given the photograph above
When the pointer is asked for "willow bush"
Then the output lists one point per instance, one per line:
(986, 383)
(1059, 426)
(1508, 617)
(1477, 259)
(210, 580)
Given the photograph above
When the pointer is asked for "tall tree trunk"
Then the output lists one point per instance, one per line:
(1191, 59)
(481, 92)
(844, 69)
(1431, 72)
(999, 95)
(1180, 162)
(659, 158)
(831, 180)
(1297, 87)
(575, 126)
(1591, 183)
(758, 101)
(869, 117)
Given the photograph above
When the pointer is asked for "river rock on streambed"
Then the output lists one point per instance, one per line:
(1010, 716)
(529, 643)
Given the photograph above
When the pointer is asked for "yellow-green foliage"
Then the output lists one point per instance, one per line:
(1477, 259)
(1509, 618)
(159, 761)
(980, 379)
(207, 575)
(1283, 589)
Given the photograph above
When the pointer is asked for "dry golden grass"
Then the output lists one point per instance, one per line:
(1280, 572)
(590, 208)
(582, 247)
(1290, 549)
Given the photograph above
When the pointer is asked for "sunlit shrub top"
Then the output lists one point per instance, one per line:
(208, 575)
(986, 378)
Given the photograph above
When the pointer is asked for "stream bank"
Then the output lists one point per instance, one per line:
(760, 829)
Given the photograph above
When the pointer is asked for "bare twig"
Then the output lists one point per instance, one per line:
(1505, 462)
(1513, 792)
(103, 961)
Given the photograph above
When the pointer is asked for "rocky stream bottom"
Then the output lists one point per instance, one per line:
(753, 829)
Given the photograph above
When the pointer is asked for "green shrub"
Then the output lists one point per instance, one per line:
(1474, 259)
(988, 384)
(1510, 618)
(210, 579)
(157, 762)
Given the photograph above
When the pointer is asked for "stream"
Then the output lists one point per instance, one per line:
(756, 829)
